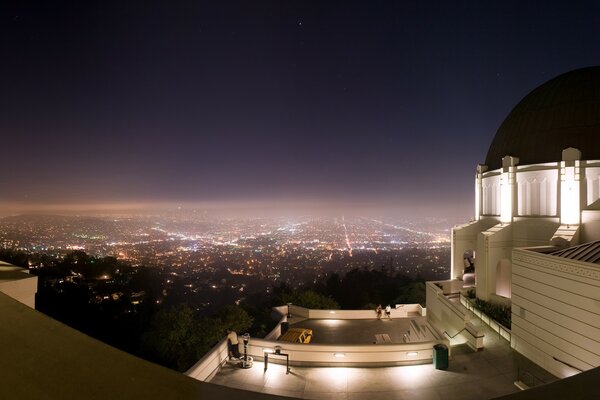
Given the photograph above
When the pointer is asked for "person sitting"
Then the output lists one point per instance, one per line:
(233, 344)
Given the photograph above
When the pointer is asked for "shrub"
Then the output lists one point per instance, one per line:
(500, 313)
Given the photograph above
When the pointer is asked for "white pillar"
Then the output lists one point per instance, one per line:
(479, 190)
(570, 187)
(508, 188)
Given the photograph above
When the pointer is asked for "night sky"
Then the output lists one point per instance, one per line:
(381, 102)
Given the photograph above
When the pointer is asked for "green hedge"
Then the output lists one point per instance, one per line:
(501, 314)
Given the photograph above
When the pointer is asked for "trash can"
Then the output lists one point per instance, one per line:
(440, 356)
(284, 327)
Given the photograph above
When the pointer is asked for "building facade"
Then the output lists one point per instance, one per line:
(537, 194)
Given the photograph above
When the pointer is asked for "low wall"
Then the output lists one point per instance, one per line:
(450, 317)
(348, 355)
(279, 314)
(398, 311)
(492, 323)
(17, 283)
(209, 365)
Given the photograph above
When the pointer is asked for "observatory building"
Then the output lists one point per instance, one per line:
(534, 243)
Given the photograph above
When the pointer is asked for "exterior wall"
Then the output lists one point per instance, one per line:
(496, 244)
(493, 245)
(464, 238)
(529, 232)
(556, 312)
(566, 236)
(538, 189)
(537, 192)
(592, 179)
(503, 278)
(490, 193)
(591, 226)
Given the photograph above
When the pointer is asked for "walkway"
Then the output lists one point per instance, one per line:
(359, 331)
(471, 376)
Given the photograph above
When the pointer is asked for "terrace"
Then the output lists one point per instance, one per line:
(343, 362)
(471, 375)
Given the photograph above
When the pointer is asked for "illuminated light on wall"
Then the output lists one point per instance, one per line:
(331, 312)
(478, 190)
(503, 278)
(412, 353)
(335, 376)
(569, 197)
(477, 198)
(339, 355)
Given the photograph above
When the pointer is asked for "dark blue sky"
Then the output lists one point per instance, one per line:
(380, 101)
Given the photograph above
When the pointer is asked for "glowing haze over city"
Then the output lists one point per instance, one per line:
(379, 105)
(284, 140)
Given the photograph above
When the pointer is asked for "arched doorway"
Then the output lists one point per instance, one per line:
(469, 268)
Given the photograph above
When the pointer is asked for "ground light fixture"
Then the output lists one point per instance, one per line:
(339, 355)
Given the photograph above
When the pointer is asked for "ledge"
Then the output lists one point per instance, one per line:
(44, 359)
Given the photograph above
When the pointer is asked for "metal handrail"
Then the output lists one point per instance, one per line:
(452, 337)
(463, 329)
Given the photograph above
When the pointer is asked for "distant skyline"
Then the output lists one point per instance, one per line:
(375, 104)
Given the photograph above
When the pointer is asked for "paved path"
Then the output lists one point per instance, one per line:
(470, 376)
(357, 331)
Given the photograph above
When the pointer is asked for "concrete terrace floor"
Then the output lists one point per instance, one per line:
(471, 376)
(356, 331)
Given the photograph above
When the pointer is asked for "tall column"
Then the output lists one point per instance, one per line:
(508, 191)
(570, 187)
(479, 191)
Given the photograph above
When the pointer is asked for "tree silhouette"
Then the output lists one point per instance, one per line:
(310, 299)
(178, 338)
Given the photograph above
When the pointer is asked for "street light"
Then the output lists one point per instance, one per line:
(289, 313)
